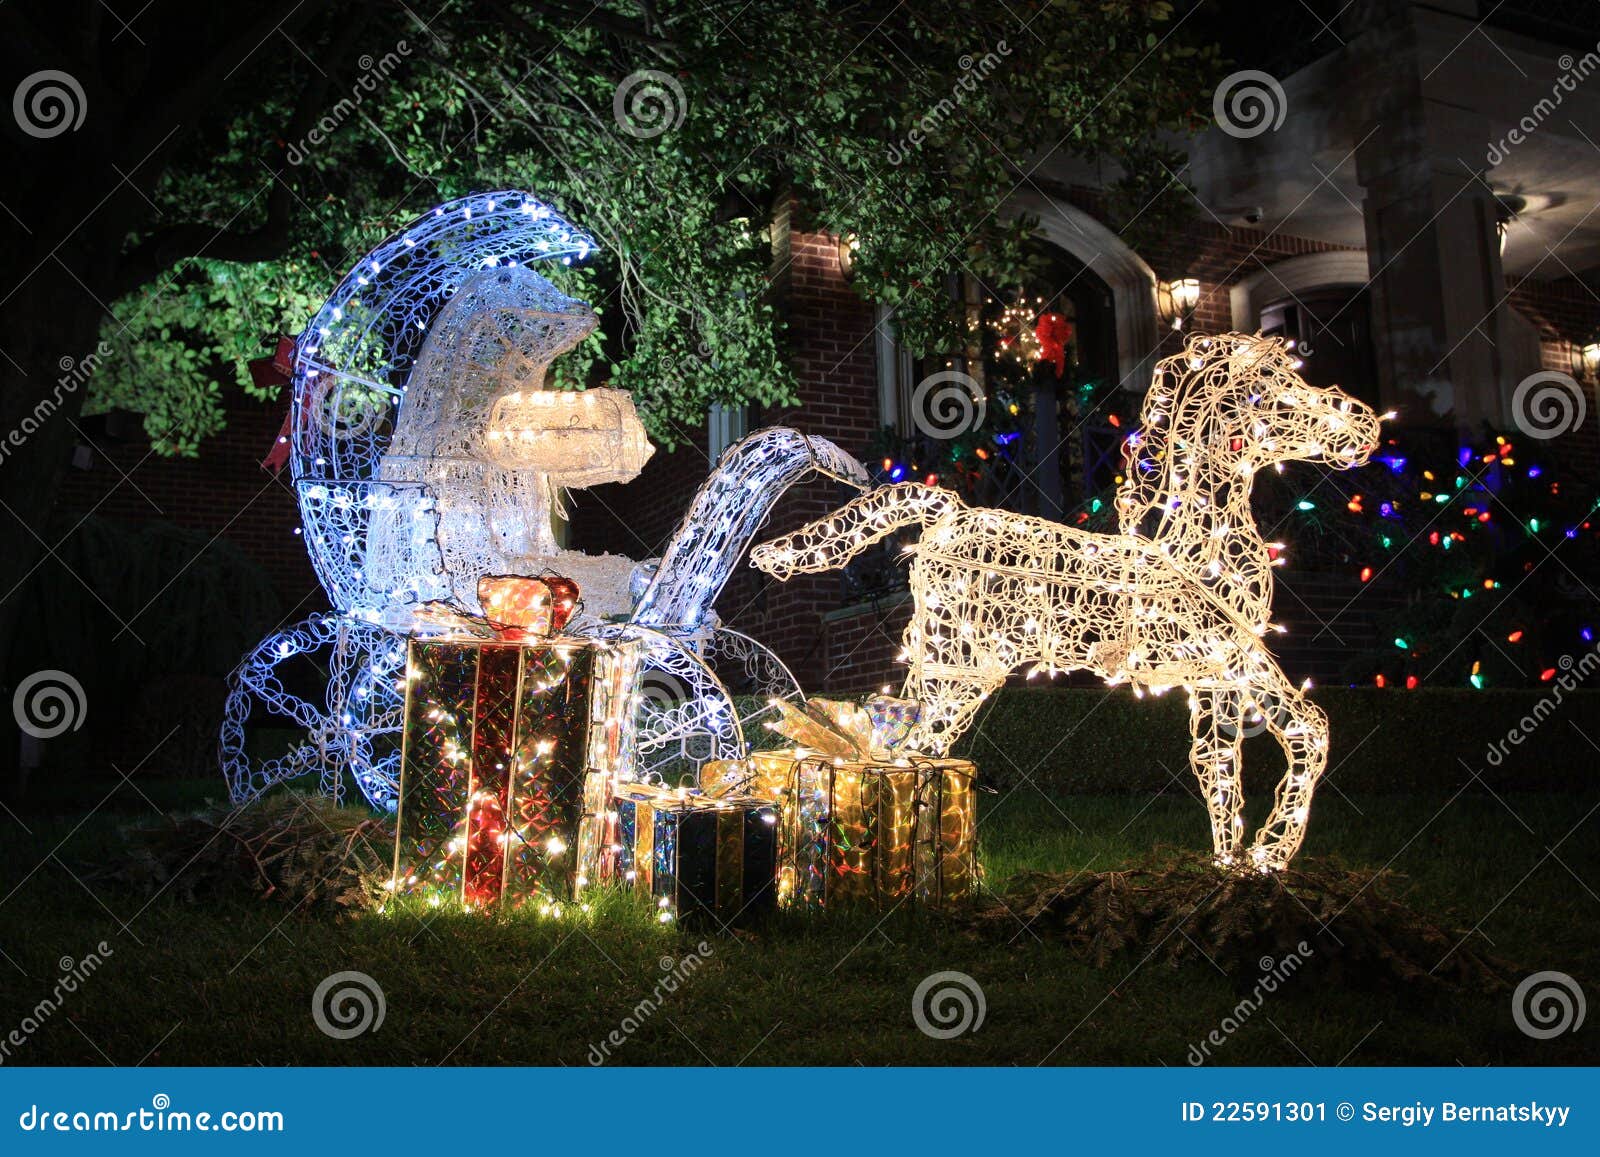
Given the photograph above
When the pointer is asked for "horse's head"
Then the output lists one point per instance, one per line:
(1227, 406)
(1273, 415)
(1239, 401)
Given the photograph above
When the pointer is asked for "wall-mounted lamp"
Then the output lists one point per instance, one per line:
(1584, 357)
(1507, 208)
(848, 244)
(1177, 300)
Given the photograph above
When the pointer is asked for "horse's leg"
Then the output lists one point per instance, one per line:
(1216, 719)
(945, 676)
(1301, 729)
(949, 701)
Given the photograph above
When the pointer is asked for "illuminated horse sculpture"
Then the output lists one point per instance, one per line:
(1185, 604)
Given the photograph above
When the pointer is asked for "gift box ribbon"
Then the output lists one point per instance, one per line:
(515, 607)
(871, 732)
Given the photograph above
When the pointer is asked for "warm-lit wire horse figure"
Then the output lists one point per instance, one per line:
(1179, 597)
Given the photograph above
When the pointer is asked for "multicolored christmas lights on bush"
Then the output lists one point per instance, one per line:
(1476, 557)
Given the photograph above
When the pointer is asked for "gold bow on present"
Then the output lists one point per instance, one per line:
(870, 732)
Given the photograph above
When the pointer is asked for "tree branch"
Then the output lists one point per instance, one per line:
(640, 34)
(165, 247)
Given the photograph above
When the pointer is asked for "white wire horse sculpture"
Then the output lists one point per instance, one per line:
(426, 452)
(1185, 604)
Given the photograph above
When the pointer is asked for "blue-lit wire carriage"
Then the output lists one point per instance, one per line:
(425, 452)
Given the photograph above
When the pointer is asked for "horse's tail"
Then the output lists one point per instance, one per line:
(833, 540)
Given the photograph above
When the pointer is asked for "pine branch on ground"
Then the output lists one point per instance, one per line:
(1341, 924)
(301, 849)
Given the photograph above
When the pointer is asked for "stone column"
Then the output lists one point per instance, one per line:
(1432, 245)
(1437, 283)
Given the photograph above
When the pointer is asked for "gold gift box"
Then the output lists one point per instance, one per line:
(855, 831)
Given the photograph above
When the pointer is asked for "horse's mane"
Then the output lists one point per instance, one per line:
(1185, 395)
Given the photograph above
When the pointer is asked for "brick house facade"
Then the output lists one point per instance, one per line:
(1249, 263)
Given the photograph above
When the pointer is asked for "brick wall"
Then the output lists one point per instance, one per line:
(831, 344)
(830, 335)
(860, 644)
(224, 492)
(638, 518)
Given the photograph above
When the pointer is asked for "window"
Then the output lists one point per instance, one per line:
(1332, 330)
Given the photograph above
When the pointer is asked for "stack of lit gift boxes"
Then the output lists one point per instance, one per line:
(516, 786)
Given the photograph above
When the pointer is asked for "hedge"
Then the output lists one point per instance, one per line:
(1106, 741)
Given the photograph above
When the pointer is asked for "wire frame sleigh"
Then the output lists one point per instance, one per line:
(437, 337)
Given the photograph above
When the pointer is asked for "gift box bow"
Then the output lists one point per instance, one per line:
(869, 732)
(514, 607)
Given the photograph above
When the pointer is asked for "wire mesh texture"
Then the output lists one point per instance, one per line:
(427, 452)
(1181, 596)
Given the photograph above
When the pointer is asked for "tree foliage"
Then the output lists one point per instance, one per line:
(670, 130)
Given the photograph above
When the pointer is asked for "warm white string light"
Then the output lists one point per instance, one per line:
(1184, 601)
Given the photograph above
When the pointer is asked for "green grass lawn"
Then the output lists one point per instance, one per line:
(228, 980)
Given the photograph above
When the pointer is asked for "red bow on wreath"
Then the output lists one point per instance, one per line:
(1054, 331)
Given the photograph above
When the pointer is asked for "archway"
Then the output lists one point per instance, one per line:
(1131, 281)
